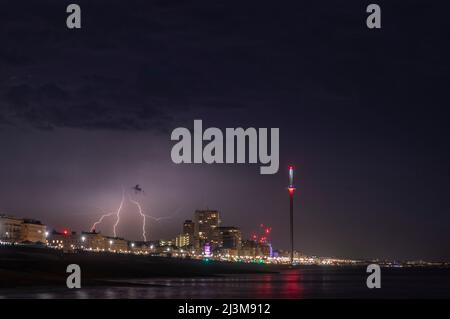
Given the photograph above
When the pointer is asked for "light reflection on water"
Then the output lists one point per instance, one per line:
(305, 283)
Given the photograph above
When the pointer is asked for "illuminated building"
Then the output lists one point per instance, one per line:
(205, 227)
(248, 248)
(229, 237)
(207, 250)
(92, 240)
(140, 247)
(264, 250)
(164, 242)
(252, 248)
(68, 241)
(10, 228)
(116, 244)
(33, 231)
(182, 240)
(14, 229)
(188, 229)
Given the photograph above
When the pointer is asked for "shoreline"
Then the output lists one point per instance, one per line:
(30, 267)
(33, 267)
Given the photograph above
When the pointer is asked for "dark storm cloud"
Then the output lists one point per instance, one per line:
(89, 107)
(124, 70)
(138, 67)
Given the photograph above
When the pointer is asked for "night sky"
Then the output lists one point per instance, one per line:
(362, 115)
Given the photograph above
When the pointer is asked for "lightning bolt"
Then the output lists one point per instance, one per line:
(144, 217)
(118, 213)
(157, 219)
(144, 234)
(141, 212)
(100, 220)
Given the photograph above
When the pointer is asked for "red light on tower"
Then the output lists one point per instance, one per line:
(65, 232)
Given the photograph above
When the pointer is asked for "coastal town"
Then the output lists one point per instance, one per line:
(203, 237)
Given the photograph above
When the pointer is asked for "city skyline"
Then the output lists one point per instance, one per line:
(172, 241)
(224, 243)
(184, 229)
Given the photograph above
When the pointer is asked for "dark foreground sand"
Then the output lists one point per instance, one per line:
(30, 267)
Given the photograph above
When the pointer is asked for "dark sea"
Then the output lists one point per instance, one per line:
(320, 282)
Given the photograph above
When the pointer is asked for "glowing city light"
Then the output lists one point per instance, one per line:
(207, 250)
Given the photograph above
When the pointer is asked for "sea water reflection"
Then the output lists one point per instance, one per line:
(297, 283)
